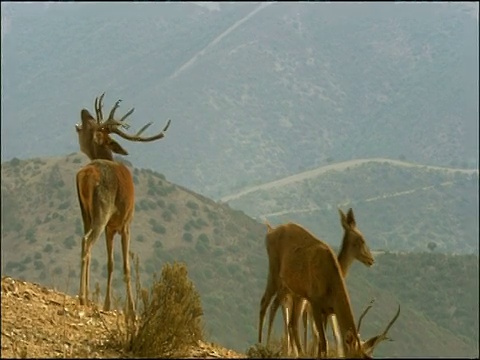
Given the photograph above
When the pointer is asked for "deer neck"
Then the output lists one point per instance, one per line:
(344, 259)
(100, 153)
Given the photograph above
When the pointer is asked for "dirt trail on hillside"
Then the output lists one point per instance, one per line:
(336, 167)
(202, 52)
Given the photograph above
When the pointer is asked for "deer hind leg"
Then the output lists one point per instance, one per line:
(270, 291)
(319, 318)
(109, 234)
(271, 316)
(87, 243)
(83, 272)
(126, 268)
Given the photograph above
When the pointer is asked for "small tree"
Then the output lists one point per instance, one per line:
(172, 316)
(432, 245)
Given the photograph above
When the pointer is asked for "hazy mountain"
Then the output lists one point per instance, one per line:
(256, 91)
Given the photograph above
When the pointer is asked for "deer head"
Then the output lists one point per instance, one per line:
(370, 345)
(94, 134)
(353, 241)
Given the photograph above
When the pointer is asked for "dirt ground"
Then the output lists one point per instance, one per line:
(38, 322)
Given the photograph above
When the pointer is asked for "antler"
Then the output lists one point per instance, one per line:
(362, 315)
(137, 137)
(370, 344)
(110, 122)
(112, 125)
(98, 108)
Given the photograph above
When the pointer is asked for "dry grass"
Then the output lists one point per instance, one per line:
(171, 319)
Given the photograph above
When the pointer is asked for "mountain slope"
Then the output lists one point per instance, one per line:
(256, 91)
(403, 206)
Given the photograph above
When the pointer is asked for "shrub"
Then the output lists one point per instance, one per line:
(15, 161)
(203, 238)
(192, 205)
(187, 237)
(167, 215)
(64, 205)
(69, 242)
(159, 229)
(173, 208)
(172, 316)
(260, 351)
(30, 235)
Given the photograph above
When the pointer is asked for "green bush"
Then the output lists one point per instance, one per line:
(260, 351)
(69, 242)
(15, 161)
(159, 229)
(167, 215)
(187, 237)
(172, 317)
(192, 205)
(48, 248)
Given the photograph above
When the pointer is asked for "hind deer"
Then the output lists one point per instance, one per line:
(312, 272)
(353, 247)
(106, 192)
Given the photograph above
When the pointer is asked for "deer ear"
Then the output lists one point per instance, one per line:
(85, 116)
(343, 220)
(350, 217)
(116, 148)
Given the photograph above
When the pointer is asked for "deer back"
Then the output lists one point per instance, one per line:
(109, 185)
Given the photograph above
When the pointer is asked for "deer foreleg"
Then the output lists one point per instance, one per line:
(336, 336)
(319, 318)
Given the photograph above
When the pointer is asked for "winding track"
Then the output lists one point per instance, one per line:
(336, 167)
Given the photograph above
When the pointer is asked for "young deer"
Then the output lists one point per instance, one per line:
(353, 247)
(106, 192)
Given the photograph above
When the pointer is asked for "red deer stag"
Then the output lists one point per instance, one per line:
(106, 192)
(353, 247)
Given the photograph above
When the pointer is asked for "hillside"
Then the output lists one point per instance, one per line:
(38, 322)
(224, 251)
(404, 206)
(256, 92)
